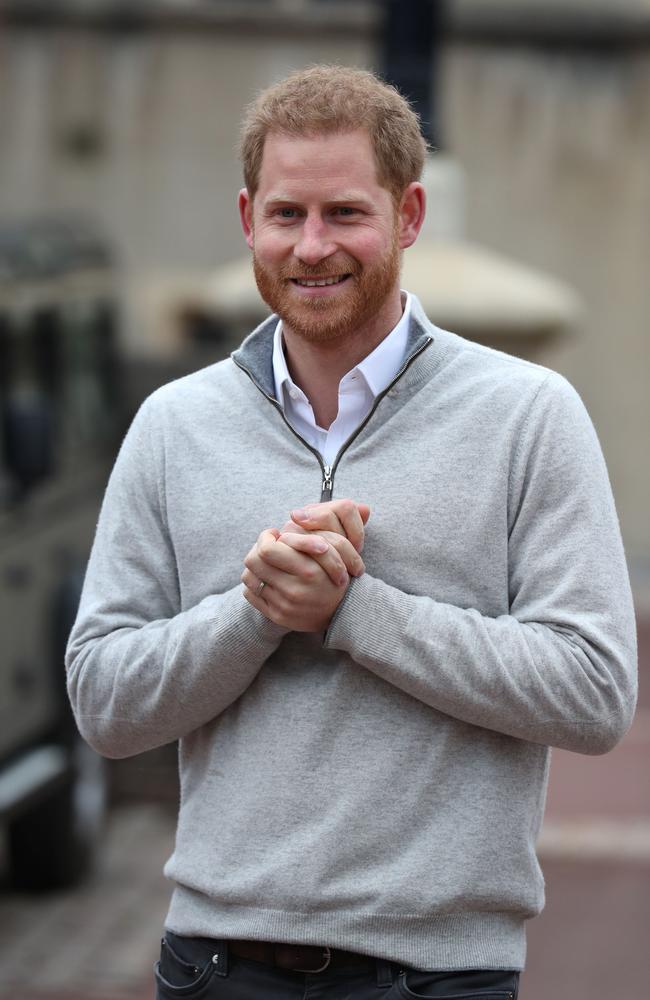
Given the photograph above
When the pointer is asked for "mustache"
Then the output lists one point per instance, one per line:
(332, 269)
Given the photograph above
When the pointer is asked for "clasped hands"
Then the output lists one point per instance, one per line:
(306, 566)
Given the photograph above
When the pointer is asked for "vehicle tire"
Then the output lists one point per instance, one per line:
(54, 844)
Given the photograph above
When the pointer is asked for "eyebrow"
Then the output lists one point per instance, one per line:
(347, 197)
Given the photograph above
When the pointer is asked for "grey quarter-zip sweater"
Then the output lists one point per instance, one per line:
(379, 788)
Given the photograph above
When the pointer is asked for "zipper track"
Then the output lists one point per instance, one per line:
(327, 470)
(407, 364)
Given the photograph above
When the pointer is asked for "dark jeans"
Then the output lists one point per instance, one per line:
(201, 969)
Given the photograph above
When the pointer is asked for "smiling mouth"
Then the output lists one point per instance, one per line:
(319, 282)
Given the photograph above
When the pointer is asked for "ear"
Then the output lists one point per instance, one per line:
(410, 213)
(245, 203)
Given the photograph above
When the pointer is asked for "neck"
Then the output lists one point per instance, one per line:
(319, 367)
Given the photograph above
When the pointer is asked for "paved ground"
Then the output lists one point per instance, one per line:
(591, 942)
(97, 942)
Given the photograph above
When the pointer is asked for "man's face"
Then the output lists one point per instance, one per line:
(325, 234)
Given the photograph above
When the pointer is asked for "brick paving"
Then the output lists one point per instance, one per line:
(591, 941)
(97, 942)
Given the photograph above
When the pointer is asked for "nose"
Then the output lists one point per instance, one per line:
(314, 243)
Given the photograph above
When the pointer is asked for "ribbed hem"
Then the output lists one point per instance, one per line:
(454, 941)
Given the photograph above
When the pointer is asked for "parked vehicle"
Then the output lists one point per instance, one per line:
(60, 422)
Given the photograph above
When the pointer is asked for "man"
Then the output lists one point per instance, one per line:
(363, 745)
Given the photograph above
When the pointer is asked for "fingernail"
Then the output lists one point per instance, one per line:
(300, 515)
(343, 580)
(321, 546)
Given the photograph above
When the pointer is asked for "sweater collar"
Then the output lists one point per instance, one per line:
(255, 355)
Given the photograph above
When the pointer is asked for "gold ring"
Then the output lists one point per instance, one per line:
(260, 587)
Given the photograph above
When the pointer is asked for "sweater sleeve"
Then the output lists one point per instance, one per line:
(141, 672)
(560, 667)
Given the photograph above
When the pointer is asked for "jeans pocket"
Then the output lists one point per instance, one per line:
(475, 984)
(177, 976)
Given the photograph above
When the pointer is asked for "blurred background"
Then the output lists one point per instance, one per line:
(122, 266)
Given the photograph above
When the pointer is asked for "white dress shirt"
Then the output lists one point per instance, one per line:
(358, 389)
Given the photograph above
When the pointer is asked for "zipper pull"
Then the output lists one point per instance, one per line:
(326, 488)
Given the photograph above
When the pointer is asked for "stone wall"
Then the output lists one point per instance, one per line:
(556, 145)
(139, 128)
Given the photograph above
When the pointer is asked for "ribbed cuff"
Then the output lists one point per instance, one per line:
(241, 626)
(369, 621)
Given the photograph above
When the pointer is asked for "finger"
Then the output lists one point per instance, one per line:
(267, 561)
(351, 559)
(264, 549)
(292, 526)
(349, 516)
(353, 562)
(326, 556)
(269, 599)
(363, 508)
(342, 516)
(274, 581)
(257, 586)
(271, 560)
(268, 536)
(302, 541)
(364, 512)
(317, 517)
(259, 604)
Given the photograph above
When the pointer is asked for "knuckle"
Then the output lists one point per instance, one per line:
(275, 615)
(284, 605)
(296, 592)
(264, 549)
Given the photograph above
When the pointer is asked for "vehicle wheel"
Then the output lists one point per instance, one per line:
(54, 844)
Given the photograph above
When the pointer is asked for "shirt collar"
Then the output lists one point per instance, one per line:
(378, 368)
(281, 374)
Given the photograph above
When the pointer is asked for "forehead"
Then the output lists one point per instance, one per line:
(328, 161)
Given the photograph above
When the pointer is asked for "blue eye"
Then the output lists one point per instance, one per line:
(287, 213)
